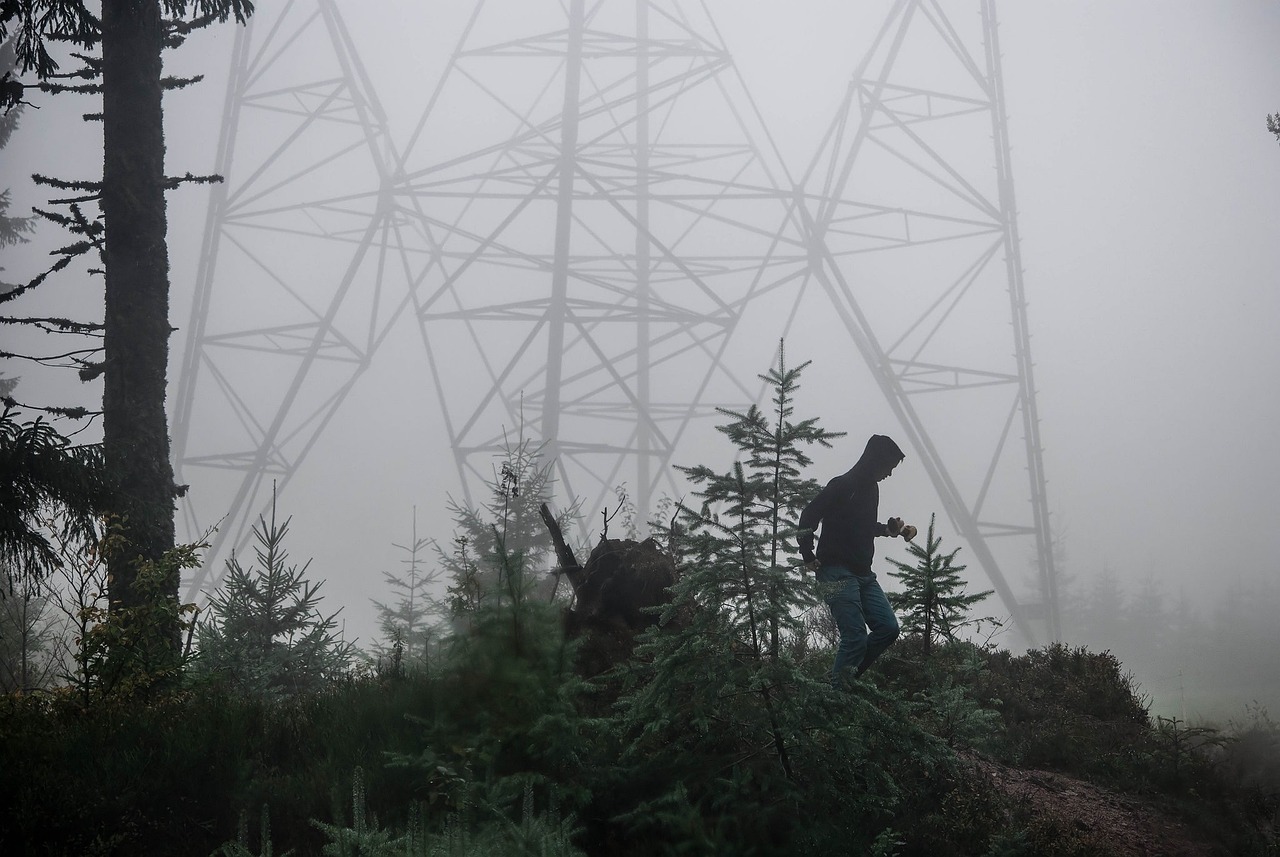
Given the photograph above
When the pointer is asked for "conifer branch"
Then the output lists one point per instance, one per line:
(57, 325)
(65, 184)
(172, 182)
(71, 413)
(169, 84)
(79, 88)
(53, 360)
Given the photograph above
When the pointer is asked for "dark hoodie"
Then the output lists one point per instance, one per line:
(847, 510)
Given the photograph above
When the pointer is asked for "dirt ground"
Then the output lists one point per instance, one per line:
(1129, 826)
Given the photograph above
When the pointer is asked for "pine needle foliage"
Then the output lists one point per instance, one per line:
(499, 547)
(746, 525)
(507, 705)
(536, 833)
(406, 625)
(13, 230)
(932, 604)
(240, 847)
(35, 23)
(738, 589)
(264, 630)
(41, 471)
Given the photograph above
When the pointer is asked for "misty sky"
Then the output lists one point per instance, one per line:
(1149, 207)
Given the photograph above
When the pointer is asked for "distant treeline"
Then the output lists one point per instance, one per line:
(1203, 659)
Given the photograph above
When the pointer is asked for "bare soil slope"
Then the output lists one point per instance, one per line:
(1115, 823)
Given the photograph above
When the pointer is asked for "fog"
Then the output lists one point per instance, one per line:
(1147, 189)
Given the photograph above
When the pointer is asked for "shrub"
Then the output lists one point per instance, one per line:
(1252, 757)
(1068, 709)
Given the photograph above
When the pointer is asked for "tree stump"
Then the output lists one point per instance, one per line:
(621, 579)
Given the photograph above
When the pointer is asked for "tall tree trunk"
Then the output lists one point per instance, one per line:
(135, 431)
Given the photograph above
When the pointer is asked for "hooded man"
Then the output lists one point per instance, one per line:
(847, 510)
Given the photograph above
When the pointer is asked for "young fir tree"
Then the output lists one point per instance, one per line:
(506, 699)
(264, 630)
(500, 549)
(932, 604)
(738, 589)
(504, 627)
(406, 626)
(748, 515)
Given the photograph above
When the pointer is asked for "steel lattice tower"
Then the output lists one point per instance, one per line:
(579, 220)
(604, 218)
(583, 217)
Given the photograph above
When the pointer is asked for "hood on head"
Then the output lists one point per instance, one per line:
(880, 450)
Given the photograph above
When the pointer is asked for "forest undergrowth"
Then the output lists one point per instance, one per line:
(473, 730)
(529, 759)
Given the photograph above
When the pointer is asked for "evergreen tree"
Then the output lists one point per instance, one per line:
(1148, 646)
(1105, 608)
(737, 589)
(747, 521)
(932, 604)
(28, 631)
(264, 630)
(407, 624)
(42, 472)
(500, 548)
(507, 696)
(13, 230)
(132, 35)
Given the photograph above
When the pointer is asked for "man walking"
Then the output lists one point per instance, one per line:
(847, 511)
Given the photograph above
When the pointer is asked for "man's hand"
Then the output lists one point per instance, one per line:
(895, 526)
(908, 532)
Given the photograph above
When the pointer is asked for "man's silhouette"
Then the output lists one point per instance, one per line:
(847, 511)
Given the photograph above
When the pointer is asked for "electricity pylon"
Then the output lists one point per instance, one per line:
(911, 218)
(578, 221)
(604, 205)
(583, 216)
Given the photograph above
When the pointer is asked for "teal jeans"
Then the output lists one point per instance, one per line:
(857, 603)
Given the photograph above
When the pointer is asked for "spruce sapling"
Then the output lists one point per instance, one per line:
(407, 623)
(264, 629)
(932, 603)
